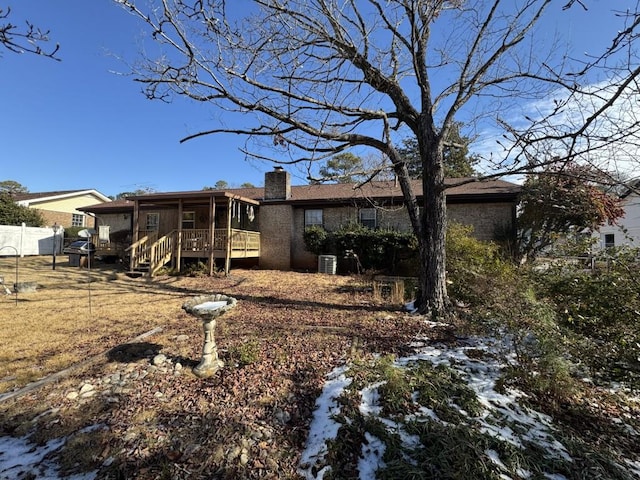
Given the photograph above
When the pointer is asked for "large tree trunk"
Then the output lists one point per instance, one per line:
(432, 277)
(432, 296)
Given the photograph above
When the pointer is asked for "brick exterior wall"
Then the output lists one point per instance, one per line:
(277, 185)
(276, 229)
(61, 218)
(489, 221)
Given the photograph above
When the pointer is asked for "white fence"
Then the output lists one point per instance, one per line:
(29, 240)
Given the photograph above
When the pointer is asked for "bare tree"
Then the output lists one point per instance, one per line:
(24, 40)
(312, 78)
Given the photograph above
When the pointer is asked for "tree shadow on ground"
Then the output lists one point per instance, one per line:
(132, 352)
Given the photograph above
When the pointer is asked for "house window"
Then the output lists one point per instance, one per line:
(312, 217)
(153, 220)
(609, 240)
(368, 217)
(77, 220)
(188, 220)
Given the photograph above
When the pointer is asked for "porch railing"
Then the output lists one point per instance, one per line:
(245, 241)
(140, 251)
(161, 251)
(241, 240)
(153, 252)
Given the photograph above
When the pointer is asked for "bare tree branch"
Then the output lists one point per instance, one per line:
(306, 79)
(25, 40)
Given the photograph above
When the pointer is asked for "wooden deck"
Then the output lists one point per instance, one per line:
(151, 253)
(243, 244)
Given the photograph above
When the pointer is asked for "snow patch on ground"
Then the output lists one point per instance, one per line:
(503, 417)
(323, 426)
(19, 458)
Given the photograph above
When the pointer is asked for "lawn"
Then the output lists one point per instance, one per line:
(287, 331)
(321, 377)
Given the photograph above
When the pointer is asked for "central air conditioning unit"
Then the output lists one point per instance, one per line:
(327, 264)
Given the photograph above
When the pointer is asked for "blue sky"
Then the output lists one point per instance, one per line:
(76, 124)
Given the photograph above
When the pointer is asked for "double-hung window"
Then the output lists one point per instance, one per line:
(313, 217)
(368, 217)
(188, 220)
(609, 240)
(153, 221)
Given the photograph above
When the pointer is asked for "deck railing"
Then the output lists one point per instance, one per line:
(245, 241)
(155, 252)
(162, 251)
(241, 240)
(140, 250)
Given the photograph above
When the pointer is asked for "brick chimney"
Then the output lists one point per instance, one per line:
(277, 184)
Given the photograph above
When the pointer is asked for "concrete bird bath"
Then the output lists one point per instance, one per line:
(208, 308)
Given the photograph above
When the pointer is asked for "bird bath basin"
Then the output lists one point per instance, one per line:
(208, 308)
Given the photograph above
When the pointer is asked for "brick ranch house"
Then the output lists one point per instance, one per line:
(265, 226)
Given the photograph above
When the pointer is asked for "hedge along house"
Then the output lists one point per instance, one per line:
(267, 224)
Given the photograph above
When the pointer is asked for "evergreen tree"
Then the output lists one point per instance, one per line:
(456, 159)
(13, 214)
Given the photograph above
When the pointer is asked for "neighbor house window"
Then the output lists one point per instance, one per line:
(368, 217)
(312, 217)
(77, 220)
(153, 220)
(188, 220)
(609, 240)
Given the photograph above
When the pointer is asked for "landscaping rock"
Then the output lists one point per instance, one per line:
(159, 359)
(87, 387)
(25, 287)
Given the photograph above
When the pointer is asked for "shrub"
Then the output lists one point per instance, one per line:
(601, 309)
(475, 269)
(13, 214)
(196, 269)
(315, 240)
(375, 249)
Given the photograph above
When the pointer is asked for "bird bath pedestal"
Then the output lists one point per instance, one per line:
(208, 308)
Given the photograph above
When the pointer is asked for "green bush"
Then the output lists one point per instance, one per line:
(315, 240)
(72, 232)
(196, 269)
(375, 249)
(476, 270)
(600, 308)
(13, 214)
(502, 299)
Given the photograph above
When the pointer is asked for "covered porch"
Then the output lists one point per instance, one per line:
(208, 225)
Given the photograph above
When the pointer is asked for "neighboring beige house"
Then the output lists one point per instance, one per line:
(267, 224)
(62, 207)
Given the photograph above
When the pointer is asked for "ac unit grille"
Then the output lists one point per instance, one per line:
(327, 264)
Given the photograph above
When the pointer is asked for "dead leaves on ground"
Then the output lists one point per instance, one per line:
(250, 420)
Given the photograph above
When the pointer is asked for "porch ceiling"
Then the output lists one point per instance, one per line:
(202, 197)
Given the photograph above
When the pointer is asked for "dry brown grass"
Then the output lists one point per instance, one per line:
(291, 328)
(75, 314)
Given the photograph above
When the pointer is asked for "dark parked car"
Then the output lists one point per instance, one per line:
(79, 247)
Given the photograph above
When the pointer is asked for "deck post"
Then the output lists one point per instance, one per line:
(212, 225)
(227, 254)
(133, 261)
(177, 259)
